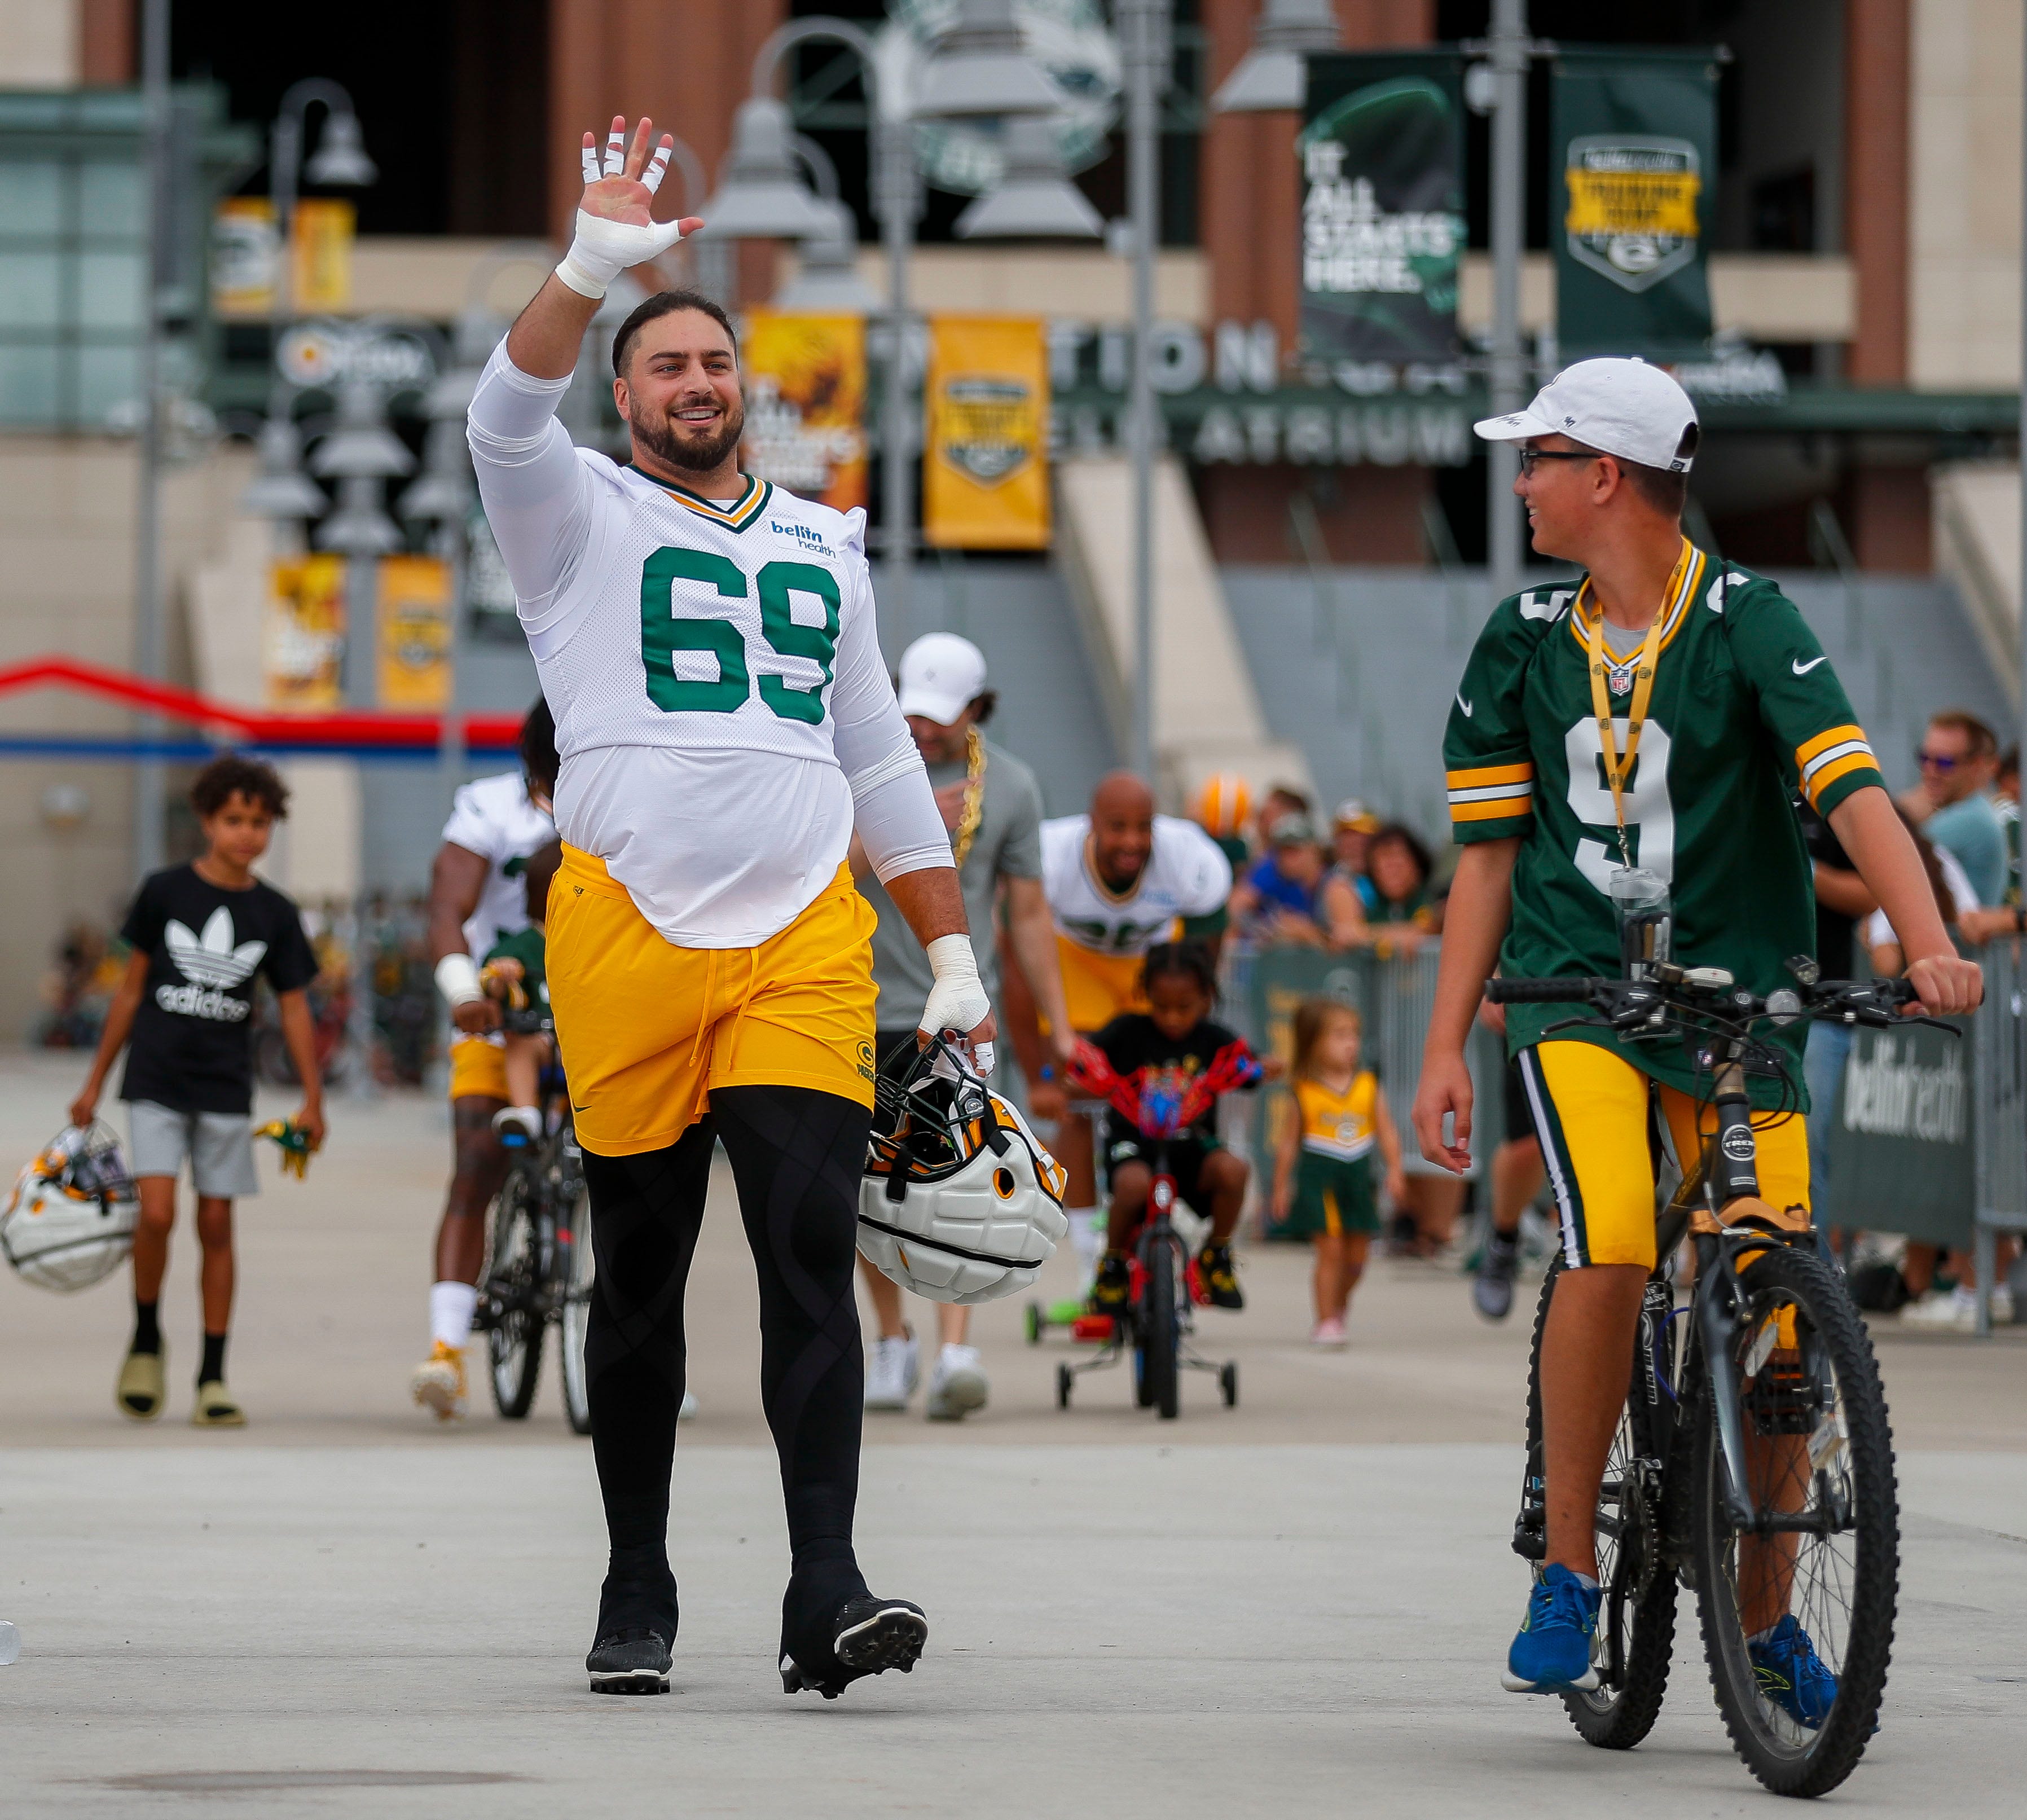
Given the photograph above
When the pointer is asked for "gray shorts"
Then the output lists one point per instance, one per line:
(218, 1145)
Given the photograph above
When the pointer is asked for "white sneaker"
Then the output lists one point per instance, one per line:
(2002, 1305)
(958, 1385)
(891, 1373)
(1953, 1311)
(523, 1121)
(689, 1411)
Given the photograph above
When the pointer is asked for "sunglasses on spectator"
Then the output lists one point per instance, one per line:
(1936, 761)
(1529, 456)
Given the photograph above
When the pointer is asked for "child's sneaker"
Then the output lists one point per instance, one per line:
(524, 1122)
(438, 1383)
(1221, 1278)
(1113, 1287)
(1553, 1653)
(217, 1406)
(1330, 1335)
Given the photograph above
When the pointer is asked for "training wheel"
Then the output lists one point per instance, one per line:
(1065, 1381)
(1227, 1382)
(1030, 1322)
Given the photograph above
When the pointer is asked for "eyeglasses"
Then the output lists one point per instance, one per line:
(1529, 456)
(1936, 761)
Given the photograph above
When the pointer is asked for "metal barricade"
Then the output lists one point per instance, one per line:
(1999, 1118)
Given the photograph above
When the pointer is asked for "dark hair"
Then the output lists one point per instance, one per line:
(542, 864)
(1666, 490)
(538, 747)
(233, 774)
(1180, 960)
(1980, 738)
(666, 303)
(1311, 1017)
(2009, 761)
(1417, 849)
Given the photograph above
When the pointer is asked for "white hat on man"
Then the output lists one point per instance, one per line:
(940, 674)
(1618, 407)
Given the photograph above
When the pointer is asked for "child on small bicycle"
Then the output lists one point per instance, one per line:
(1323, 1169)
(515, 973)
(1170, 1045)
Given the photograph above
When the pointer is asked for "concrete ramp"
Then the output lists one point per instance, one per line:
(1977, 519)
(1207, 712)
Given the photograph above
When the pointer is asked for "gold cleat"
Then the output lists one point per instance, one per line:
(217, 1406)
(438, 1383)
(139, 1392)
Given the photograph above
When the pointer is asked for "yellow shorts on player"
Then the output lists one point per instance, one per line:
(1593, 1110)
(1099, 988)
(648, 1029)
(478, 1066)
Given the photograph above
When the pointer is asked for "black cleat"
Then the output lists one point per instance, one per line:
(872, 1636)
(629, 1662)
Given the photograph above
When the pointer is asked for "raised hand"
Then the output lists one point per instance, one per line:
(615, 228)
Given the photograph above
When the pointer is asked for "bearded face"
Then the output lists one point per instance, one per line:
(693, 433)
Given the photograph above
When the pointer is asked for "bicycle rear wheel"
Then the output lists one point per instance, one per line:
(514, 1344)
(576, 1318)
(1819, 1454)
(1636, 1622)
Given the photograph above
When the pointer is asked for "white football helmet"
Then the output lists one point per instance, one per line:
(70, 1217)
(960, 1202)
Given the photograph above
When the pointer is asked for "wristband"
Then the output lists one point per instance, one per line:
(457, 979)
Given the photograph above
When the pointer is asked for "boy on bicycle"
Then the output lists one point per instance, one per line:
(515, 973)
(1171, 1044)
(1660, 716)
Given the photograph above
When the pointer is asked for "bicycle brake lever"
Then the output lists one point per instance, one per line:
(1933, 1024)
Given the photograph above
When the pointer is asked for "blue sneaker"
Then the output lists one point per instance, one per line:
(1551, 1654)
(1792, 1675)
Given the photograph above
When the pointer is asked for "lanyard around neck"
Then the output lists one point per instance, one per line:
(1619, 771)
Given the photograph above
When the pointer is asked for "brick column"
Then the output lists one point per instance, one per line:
(107, 42)
(1876, 185)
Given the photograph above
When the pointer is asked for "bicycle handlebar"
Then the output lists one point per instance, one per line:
(1711, 991)
(1544, 992)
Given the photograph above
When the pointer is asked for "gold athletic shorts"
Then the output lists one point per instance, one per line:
(1590, 1107)
(1099, 988)
(477, 1068)
(648, 1029)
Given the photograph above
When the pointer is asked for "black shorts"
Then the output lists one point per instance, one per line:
(1186, 1156)
(1519, 1116)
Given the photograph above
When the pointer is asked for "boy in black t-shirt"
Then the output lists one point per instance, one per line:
(200, 933)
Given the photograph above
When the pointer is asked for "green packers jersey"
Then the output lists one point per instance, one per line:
(1745, 712)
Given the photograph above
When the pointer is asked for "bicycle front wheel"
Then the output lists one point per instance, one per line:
(515, 1342)
(1635, 1627)
(1822, 1584)
(1160, 1323)
(577, 1318)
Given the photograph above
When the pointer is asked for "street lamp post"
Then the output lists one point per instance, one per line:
(149, 849)
(1509, 49)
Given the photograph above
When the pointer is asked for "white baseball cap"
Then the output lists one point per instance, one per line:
(1622, 408)
(940, 673)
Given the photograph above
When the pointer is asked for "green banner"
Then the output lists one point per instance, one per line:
(1634, 149)
(1902, 1155)
(1381, 156)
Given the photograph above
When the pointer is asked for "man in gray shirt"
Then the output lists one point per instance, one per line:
(993, 807)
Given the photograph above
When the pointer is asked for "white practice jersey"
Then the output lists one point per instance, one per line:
(1186, 875)
(492, 818)
(714, 671)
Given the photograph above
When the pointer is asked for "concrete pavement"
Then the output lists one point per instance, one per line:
(1299, 1604)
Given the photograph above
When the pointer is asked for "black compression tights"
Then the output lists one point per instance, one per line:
(797, 1156)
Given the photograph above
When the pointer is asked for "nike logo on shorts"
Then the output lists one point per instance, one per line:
(1463, 704)
(1802, 668)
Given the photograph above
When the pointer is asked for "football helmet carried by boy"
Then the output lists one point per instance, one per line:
(70, 1217)
(960, 1202)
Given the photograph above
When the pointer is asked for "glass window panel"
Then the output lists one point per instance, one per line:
(109, 291)
(29, 295)
(107, 377)
(28, 197)
(111, 204)
(29, 385)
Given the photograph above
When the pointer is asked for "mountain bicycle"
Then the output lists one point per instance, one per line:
(1165, 1289)
(1753, 1462)
(538, 1270)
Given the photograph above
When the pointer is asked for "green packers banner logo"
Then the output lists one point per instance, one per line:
(1636, 141)
(1381, 155)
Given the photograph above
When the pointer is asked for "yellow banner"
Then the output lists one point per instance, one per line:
(415, 632)
(985, 472)
(805, 380)
(302, 643)
(1632, 202)
(321, 234)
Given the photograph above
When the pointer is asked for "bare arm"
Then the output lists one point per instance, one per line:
(456, 877)
(1843, 892)
(113, 1038)
(1344, 916)
(1481, 905)
(1388, 1136)
(1031, 929)
(1286, 1152)
(1887, 862)
(299, 1033)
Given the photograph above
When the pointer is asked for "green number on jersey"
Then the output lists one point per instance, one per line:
(664, 632)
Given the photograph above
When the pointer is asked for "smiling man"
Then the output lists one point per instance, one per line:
(724, 723)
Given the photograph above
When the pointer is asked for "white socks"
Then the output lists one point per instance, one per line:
(451, 1306)
(1088, 1236)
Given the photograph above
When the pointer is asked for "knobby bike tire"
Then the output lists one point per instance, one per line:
(576, 1321)
(1159, 1335)
(1614, 1718)
(513, 1345)
(1785, 1759)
